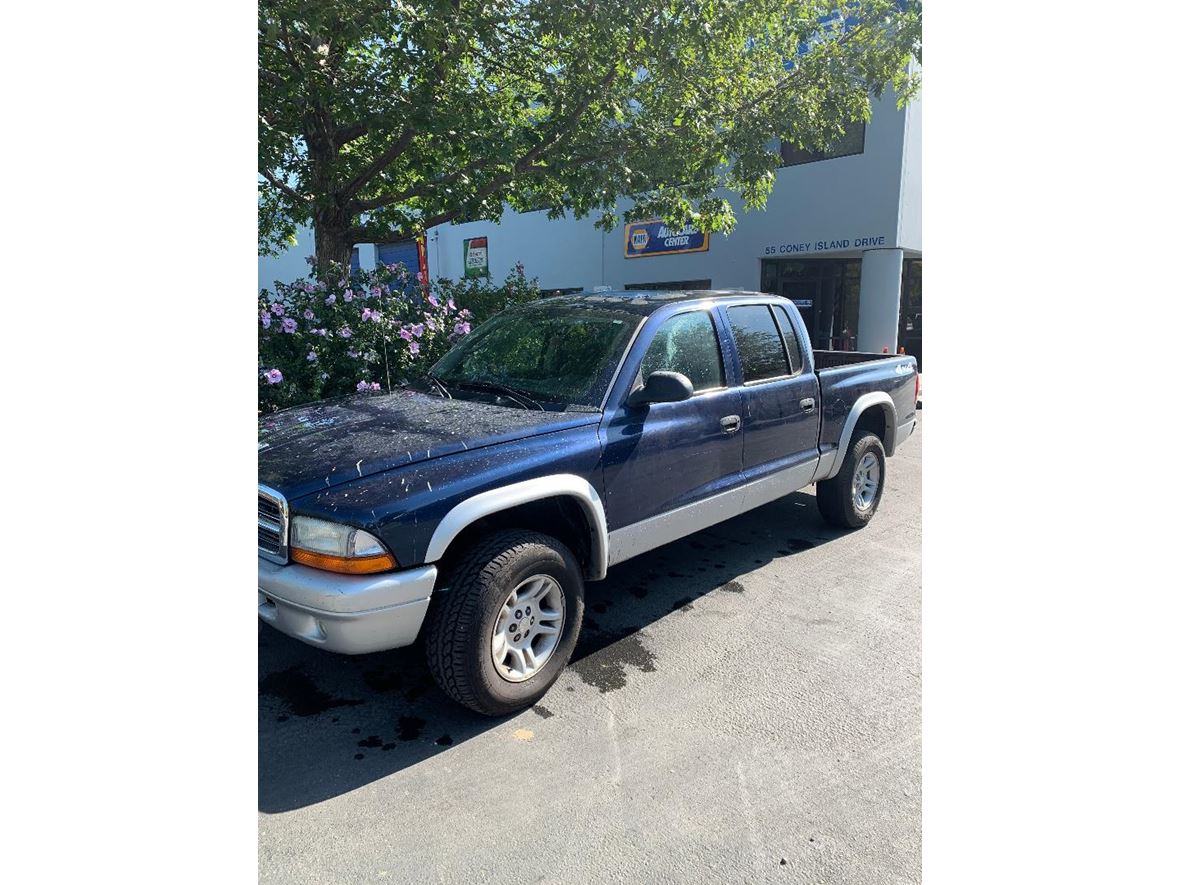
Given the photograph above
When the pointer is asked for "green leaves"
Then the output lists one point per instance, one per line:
(392, 117)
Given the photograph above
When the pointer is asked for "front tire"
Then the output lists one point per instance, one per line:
(499, 637)
(850, 498)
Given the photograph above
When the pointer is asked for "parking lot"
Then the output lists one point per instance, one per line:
(744, 705)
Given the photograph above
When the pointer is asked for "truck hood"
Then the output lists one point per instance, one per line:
(310, 448)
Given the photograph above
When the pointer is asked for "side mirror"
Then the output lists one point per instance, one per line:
(661, 387)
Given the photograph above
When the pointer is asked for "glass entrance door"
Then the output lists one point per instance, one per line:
(827, 293)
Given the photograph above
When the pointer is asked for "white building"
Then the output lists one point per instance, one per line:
(841, 236)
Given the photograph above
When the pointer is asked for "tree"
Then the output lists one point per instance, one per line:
(381, 118)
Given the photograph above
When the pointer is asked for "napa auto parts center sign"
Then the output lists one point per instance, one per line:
(645, 238)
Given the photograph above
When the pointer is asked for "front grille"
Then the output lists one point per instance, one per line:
(272, 525)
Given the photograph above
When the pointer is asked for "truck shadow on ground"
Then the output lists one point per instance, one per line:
(328, 724)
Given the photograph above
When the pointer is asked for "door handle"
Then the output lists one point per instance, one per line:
(731, 423)
(807, 404)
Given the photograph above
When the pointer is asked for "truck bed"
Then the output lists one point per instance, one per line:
(834, 359)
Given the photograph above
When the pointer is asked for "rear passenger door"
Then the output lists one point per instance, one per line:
(781, 420)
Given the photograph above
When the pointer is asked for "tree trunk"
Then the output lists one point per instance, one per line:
(332, 241)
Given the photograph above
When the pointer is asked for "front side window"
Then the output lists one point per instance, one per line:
(557, 356)
(686, 343)
(759, 344)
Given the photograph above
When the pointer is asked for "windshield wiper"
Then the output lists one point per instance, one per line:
(438, 383)
(496, 387)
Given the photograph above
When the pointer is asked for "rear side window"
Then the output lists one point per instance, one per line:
(758, 342)
(686, 343)
(784, 324)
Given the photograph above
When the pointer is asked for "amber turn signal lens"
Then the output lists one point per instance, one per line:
(345, 565)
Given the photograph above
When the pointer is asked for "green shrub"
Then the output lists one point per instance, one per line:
(334, 333)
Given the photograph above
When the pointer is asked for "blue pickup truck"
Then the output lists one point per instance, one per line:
(557, 439)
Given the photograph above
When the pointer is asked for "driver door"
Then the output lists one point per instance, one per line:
(663, 457)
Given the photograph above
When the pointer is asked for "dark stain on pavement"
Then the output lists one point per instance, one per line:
(606, 667)
(409, 727)
(295, 689)
(543, 712)
(733, 587)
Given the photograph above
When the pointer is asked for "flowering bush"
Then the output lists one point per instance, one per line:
(334, 333)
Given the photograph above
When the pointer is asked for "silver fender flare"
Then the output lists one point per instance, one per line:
(492, 501)
(829, 462)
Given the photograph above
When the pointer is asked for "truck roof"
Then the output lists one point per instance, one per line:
(645, 301)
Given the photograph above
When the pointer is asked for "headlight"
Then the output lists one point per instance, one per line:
(337, 548)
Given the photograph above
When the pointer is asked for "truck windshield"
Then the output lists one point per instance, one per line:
(556, 356)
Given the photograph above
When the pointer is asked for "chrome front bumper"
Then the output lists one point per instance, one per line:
(350, 614)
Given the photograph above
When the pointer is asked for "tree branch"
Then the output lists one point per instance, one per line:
(386, 157)
(283, 186)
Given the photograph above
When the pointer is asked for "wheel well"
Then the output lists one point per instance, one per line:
(874, 420)
(560, 517)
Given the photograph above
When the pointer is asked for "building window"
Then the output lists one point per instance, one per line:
(554, 293)
(850, 143)
(355, 262)
(827, 293)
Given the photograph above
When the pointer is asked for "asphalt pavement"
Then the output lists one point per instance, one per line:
(744, 706)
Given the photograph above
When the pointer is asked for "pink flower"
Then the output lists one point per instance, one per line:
(276, 309)
(273, 376)
(375, 292)
(265, 320)
(346, 332)
(404, 334)
(462, 328)
(433, 301)
(353, 354)
(311, 356)
(414, 348)
(348, 294)
(308, 315)
(417, 330)
(331, 299)
(289, 325)
(450, 304)
(376, 385)
(366, 385)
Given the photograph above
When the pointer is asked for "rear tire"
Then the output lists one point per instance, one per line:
(850, 498)
(468, 625)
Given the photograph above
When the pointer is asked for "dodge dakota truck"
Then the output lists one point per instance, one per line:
(555, 440)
